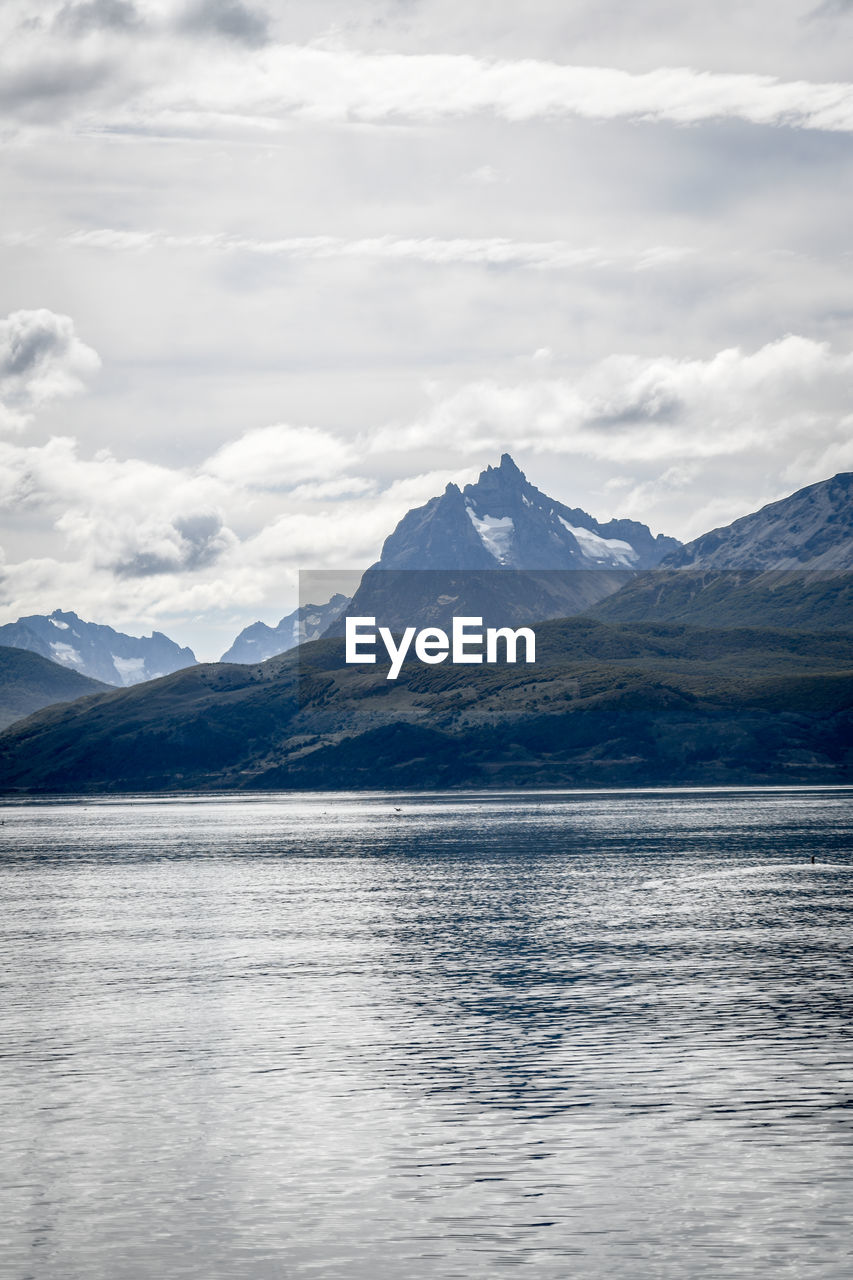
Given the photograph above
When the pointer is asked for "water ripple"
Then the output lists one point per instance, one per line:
(597, 1035)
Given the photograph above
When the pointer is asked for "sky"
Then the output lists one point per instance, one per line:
(272, 274)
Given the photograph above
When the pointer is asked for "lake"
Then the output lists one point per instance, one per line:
(380, 1036)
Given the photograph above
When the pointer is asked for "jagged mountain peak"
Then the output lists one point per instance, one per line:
(507, 471)
(504, 521)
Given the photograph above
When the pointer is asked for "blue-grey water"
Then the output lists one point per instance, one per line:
(600, 1035)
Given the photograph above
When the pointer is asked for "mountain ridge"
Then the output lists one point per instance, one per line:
(810, 528)
(789, 564)
(96, 650)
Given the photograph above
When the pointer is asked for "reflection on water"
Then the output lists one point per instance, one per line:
(339, 1036)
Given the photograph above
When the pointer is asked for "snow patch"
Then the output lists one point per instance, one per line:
(66, 654)
(63, 626)
(495, 533)
(131, 670)
(601, 550)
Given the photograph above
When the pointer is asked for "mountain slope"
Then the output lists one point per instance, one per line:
(94, 650)
(788, 565)
(29, 682)
(810, 529)
(805, 600)
(603, 705)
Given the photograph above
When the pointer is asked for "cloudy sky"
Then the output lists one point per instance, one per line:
(274, 273)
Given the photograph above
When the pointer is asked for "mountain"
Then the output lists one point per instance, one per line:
(259, 642)
(807, 600)
(604, 705)
(811, 529)
(94, 650)
(504, 522)
(788, 565)
(554, 560)
(29, 682)
(727, 693)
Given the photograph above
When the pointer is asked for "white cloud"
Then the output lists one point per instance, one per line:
(629, 407)
(138, 544)
(280, 456)
(495, 251)
(341, 85)
(485, 175)
(349, 534)
(134, 545)
(343, 487)
(144, 78)
(41, 359)
(129, 518)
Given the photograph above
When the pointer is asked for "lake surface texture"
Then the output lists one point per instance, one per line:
(375, 1037)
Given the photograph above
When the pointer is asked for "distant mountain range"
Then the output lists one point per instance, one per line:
(727, 660)
(96, 651)
(308, 622)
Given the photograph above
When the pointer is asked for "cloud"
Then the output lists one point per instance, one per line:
(229, 18)
(95, 15)
(484, 176)
(127, 518)
(41, 359)
(494, 251)
(43, 85)
(280, 456)
(832, 9)
(136, 545)
(660, 409)
(343, 85)
(344, 487)
(251, 81)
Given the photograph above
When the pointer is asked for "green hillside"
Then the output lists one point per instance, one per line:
(605, 705)
(29, 682)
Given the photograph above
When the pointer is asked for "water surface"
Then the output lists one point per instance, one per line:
(595, 1035)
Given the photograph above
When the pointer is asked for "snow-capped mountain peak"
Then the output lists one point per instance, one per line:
(504, 522)
(96, 650)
